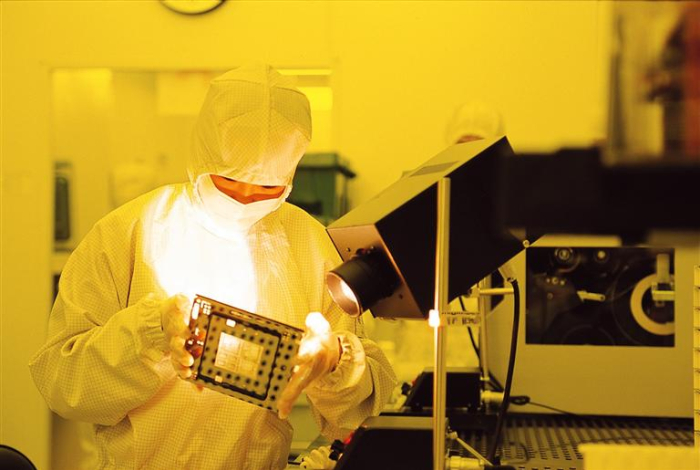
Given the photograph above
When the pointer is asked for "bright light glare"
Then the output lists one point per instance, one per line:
(186, 258)
(347, 292)
(317, 324)
(434, 318)
(309, 347)
(320, 329)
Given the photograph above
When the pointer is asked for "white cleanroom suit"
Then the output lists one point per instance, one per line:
(105, 360)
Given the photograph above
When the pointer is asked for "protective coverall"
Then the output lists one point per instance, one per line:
(105, 359)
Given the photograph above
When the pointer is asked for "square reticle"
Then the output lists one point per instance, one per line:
(239, 353)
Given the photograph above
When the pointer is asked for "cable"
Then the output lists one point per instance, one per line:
(471, 338)
(519, 400)
(469, 328)
(494, 382)
(522, 400)
(551, 408)
(509, 376)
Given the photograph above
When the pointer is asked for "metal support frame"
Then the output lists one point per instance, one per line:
(441, 318)
(442, 256)
(484, 305)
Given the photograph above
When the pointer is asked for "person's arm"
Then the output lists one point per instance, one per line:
(358, 385)
(361, 384)
(102, 358)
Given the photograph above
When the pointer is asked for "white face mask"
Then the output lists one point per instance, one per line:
(230, 215)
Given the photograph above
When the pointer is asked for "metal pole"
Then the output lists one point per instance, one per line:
(442, 256)
(483, 311)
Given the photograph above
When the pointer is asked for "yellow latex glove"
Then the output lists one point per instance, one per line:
(174, 320)
(319, 353)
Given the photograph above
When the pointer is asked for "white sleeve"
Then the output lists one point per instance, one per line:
(102, 359)
(358, 388)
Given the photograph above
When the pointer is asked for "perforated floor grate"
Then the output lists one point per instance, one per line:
(550, 442)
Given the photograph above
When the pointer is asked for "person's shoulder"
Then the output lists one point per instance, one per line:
(296, 218)
(154, 202)
(305, 233)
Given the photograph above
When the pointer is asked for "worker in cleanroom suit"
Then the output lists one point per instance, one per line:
(473, 121)
(116, 329)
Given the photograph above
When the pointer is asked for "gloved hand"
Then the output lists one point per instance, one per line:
(319, 354)
(174, 320)
(319, 459)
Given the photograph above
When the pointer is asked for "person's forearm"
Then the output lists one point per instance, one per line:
(359, 388)
(98, 374)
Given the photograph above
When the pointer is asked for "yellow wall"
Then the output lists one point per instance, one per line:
(399, 70)
(126, 132)
(404, 67)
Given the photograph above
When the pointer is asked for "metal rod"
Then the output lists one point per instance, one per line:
(496, 291)
(442, 256)
(483, 353)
